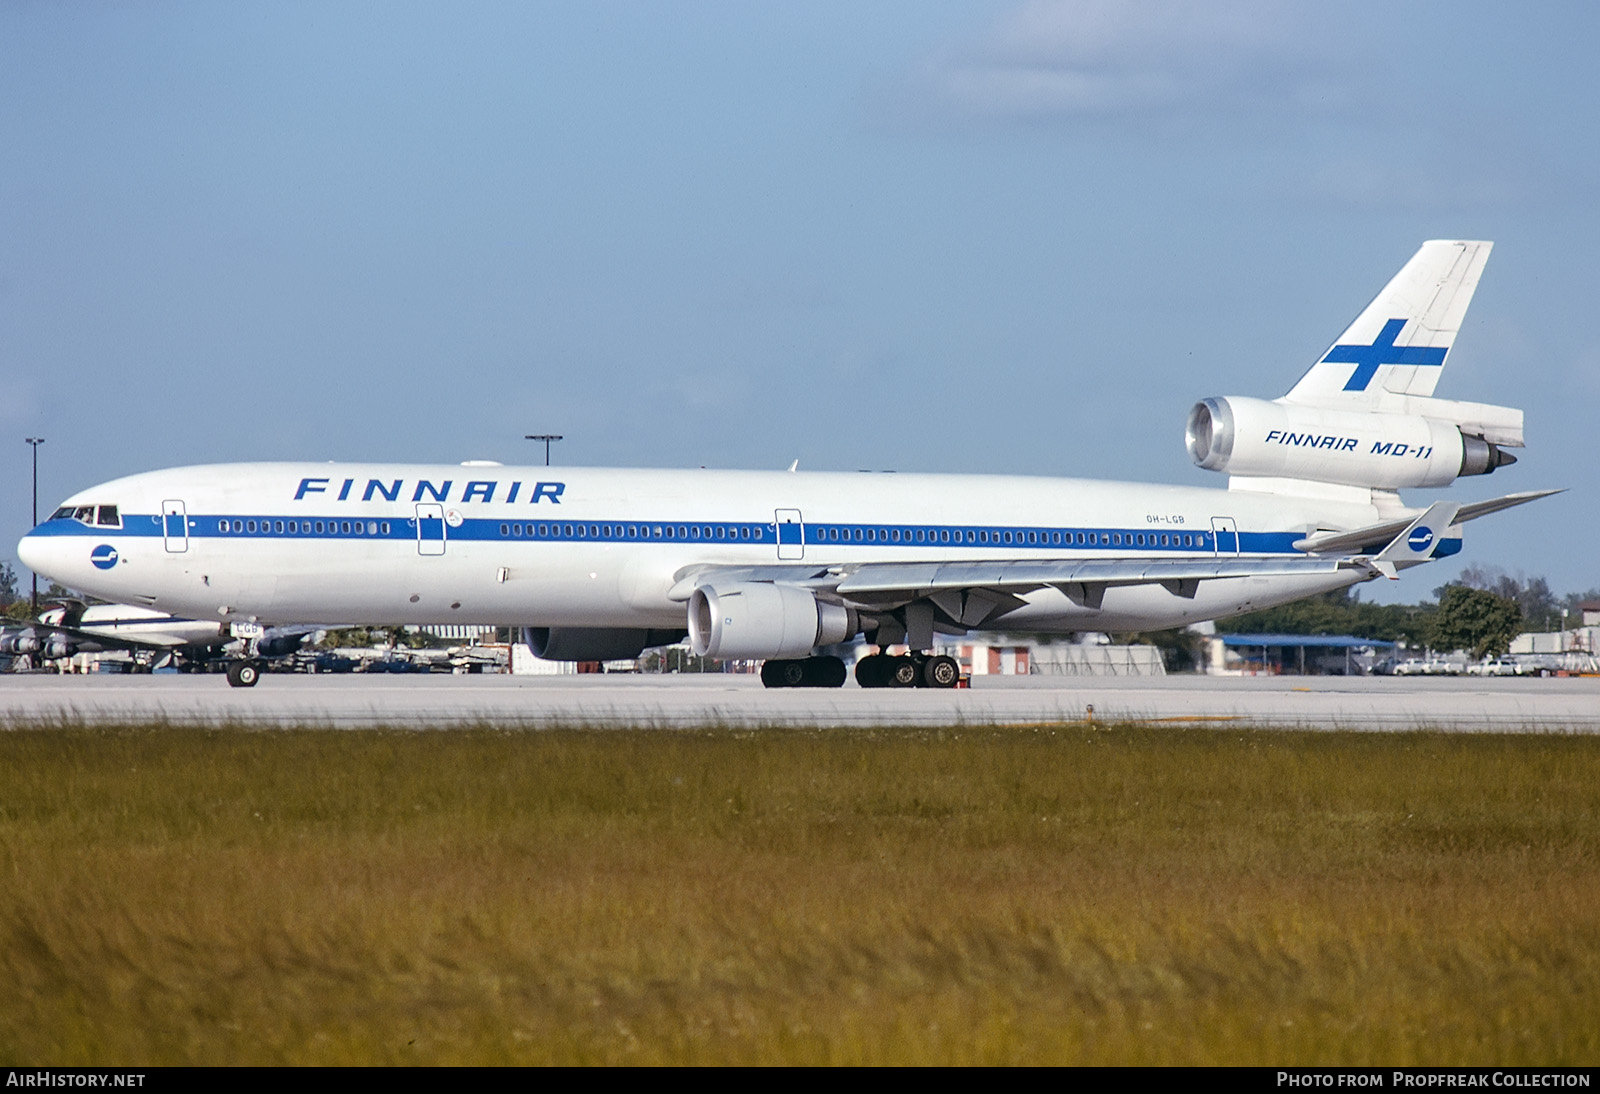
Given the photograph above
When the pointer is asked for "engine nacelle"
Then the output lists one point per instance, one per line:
(281, 645)
(594, 643)
(762, 620)
(1257, 438)
(24, 643)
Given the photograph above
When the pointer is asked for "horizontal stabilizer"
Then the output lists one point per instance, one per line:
(1375, 536)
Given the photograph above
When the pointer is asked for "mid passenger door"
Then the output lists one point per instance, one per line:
(791, 535)
(175, 527)
(430, 528)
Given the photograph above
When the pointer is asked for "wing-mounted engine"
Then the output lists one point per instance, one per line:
(281, 642)
(1275, 439)
(595, 643)
(760, 619)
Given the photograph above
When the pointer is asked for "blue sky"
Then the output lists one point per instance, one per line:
(1009, 237)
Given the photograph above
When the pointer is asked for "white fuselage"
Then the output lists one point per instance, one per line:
(597, 547)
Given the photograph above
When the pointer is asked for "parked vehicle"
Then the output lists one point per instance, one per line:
(1431, 666)
(1498, 666)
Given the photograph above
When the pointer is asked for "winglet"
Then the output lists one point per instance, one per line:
(1418, 541)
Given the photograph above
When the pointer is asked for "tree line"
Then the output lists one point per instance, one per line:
(1481, 611)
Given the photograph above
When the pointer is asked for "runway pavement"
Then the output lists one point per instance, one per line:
(1377, 703)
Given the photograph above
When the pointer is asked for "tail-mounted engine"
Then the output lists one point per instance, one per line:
(1258, 438)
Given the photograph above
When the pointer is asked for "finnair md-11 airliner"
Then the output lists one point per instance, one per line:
(600, 563)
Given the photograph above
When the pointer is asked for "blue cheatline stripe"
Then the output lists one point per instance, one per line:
(1027, 538)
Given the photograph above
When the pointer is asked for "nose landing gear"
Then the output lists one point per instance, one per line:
(243, 674)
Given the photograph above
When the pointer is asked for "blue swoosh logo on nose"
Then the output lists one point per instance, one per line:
(104, 556)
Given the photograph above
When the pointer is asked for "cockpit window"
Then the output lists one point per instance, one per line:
(105, 516)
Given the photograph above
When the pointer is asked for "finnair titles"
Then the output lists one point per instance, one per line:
(477, 490)
(791, 568)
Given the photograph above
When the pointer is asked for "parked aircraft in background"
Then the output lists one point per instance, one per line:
(602, 563)
(154, 638)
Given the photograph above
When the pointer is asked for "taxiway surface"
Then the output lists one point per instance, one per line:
(1464, 704)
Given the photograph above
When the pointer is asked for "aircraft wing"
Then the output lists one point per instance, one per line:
(974, 593)
(32, 637)
(1376, 536)
(107, 640)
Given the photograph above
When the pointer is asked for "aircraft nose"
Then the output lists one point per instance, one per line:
(28, 550)
(39, 553)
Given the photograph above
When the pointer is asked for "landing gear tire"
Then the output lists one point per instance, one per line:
(879, 670)
(243, 674)
(827, 672)
(777, 673)
(940, 672)
(903, 672)
(808, 672)
(871, 669)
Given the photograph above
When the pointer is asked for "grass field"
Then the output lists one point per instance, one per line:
(1058, 894)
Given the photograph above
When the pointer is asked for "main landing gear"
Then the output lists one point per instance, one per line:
(879, 670)
(243, 674)
(806, 672)
(912, 670)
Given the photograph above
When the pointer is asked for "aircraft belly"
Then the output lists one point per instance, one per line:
(1152, 607)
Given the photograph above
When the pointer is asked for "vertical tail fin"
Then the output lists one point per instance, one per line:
(1398, 345)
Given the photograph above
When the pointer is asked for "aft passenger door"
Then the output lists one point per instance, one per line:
(430, 528)
(791, 535)
(1224, 536)
(175, 527)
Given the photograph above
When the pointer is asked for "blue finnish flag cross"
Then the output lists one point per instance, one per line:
(1383, 351)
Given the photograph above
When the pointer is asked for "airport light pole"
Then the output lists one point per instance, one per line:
(546, 438)
(35, 442)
